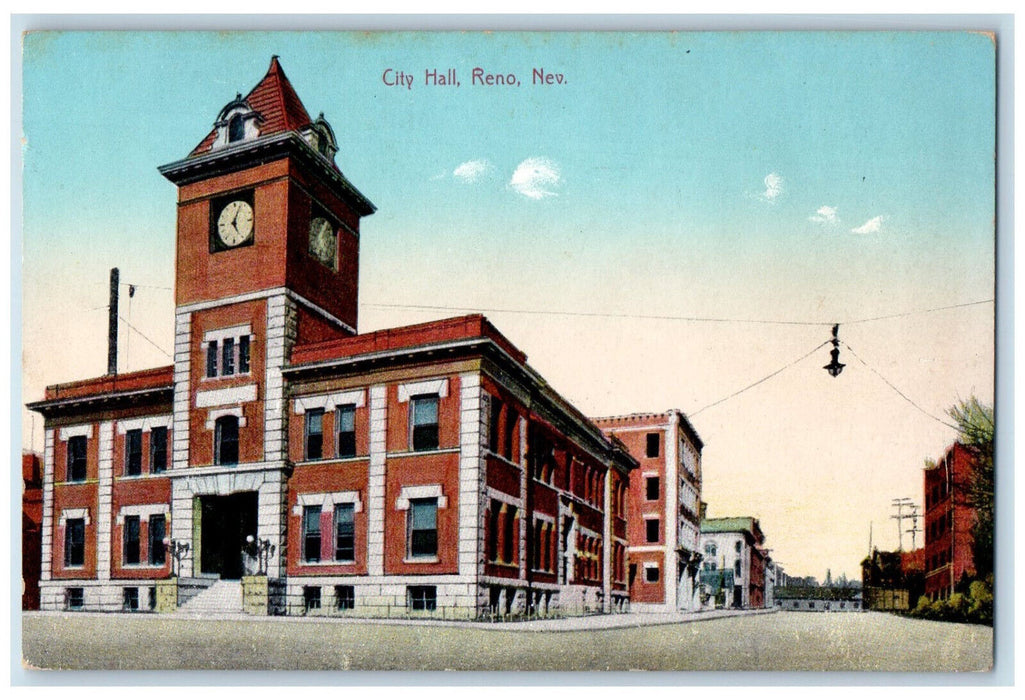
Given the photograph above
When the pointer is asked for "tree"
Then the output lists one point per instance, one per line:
(975, 428)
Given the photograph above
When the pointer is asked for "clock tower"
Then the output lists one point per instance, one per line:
(267, 257)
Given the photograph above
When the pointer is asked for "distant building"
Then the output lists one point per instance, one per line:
(733, 565)
(31, 529)
(892, 580)
(948, 522)
(812, 599)
(664, 508)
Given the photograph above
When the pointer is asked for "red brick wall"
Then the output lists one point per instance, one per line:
(201, 438)
(131, 492)
(327, 477)
(419, 470)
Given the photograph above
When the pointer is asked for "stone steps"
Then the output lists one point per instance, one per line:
(222, 597)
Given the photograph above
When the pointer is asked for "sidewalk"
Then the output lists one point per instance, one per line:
(563, 624)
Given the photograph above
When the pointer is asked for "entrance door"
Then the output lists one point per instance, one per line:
(225, 523)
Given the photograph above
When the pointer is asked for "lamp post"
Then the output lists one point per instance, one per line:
(264, 551)
(178, 552)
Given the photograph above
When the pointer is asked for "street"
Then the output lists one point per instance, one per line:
(784, 641)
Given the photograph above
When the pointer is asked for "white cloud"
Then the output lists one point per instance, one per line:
(873, 225)
(535, 178)
(773, 187)
(471, 171)
(825, 215)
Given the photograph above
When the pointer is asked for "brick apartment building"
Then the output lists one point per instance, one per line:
(948, 522)
(734, 561)
(663, 509)
(298, 467)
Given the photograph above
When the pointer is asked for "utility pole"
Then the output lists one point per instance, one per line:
(914, 524)
(900, 504)
(112, 324)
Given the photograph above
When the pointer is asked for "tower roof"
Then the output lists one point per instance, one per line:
(276, 101)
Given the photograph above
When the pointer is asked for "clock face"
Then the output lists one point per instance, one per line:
(323, 241)
(235, 223)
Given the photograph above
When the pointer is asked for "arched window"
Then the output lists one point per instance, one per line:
(226, 440)
(236, 129)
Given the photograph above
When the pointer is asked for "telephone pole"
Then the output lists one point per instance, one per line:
(900, 504)
(913, 516)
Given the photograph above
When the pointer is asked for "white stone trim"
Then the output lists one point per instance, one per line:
(180, 408)
(587, 531)
(328, 500)
(144, 511)
(646, 474)
(428, 386)
(70, 513)
(544, 517)
(329, 402)
(105, 499)
(220, 334)
(282, 325)
(71, 431)
(226, 397)
(47, 526)
(144, 424)
(503, 497)
(375, 479)
(212, 416)
(426, 491)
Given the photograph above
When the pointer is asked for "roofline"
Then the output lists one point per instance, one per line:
(688, 426)
(248, 153)
(54, 406)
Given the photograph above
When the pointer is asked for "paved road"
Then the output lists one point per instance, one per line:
(767, 642)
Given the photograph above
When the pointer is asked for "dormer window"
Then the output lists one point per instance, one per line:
(237, 122)
(321, 136)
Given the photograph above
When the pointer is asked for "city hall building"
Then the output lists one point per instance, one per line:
(287, 464)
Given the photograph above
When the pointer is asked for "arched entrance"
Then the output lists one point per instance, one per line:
(224, 524)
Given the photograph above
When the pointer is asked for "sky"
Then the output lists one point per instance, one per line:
(676, 217)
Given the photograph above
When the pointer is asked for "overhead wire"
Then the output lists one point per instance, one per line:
(661, 317)
(144, 337)
(899, 392)
(763, 379)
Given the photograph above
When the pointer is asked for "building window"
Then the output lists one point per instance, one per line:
(158, 450)
(76, 458)
(133, 453)
(152, 598)
(243, 354)
(493, 425)
(74, 542)
(651, 530)
(311, 598)
(651, 489)
(157, 531)
(130, 599)
(75, 598)
(710, 550)
(424, 422)
(736, 568)
(211, 359)
(509, 539)
(651, 448)
(345, 598)
(345, 424)
(311, 533)
(651, 574)
(314, 433)
(236, 129)
(345, 532)
(226, 440)
(422, 597)
(228, 357)
(131, 537)
(737, 545)
(423, 528)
